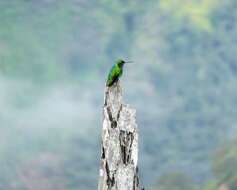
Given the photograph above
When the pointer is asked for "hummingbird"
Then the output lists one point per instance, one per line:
(116, 72)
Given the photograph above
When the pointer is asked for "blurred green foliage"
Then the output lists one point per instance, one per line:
(54, 57)
(224, 167)
(175, 181)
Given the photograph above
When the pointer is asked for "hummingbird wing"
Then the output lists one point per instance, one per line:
(113, 75)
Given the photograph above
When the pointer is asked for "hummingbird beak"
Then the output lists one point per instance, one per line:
(129, 62)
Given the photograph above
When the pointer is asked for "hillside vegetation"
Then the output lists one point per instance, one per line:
(54, 59)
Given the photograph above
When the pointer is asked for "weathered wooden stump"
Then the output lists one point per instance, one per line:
(119, 149)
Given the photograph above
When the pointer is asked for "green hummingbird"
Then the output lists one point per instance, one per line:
(115, 72)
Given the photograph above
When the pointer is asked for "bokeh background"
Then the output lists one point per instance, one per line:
(54, 60)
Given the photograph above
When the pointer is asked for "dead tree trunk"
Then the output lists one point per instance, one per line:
(119, 150)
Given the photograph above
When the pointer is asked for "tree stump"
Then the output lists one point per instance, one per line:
(119, 149)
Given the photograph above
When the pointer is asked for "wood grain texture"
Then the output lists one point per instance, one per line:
(119, 147)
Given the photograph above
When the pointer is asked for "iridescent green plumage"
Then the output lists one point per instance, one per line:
(115, 73)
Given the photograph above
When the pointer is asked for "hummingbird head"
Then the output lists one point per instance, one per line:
(120, 62)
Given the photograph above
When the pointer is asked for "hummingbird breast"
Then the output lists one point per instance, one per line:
(114, 74)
